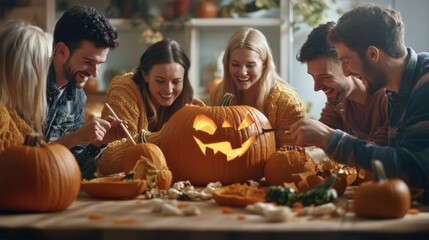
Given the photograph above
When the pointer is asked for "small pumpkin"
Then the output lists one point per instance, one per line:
(286, 164)
(381, 198)
(206, 144)
(38, 177)
(309, 182)
(152, 153)
(206, 9)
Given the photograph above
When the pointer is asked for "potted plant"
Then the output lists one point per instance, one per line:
(239, 8)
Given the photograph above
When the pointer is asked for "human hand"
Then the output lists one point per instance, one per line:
(310, 132)
(115, 132)
(95, 131)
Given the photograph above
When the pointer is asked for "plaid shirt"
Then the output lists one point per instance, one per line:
(66, 114)
(407, 153)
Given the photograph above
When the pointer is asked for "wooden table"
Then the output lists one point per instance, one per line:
(74, 223)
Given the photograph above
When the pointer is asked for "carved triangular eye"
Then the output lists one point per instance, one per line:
(227, 123)
(247, 121)
(205, 124)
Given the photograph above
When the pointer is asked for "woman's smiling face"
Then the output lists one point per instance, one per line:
(165, 82)
(245, 67)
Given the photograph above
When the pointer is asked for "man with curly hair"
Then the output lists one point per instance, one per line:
(82, 41)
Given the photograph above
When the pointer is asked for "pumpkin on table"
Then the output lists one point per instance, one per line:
(155, 161)
(38, 177)
(286, 164)
(382, 197)
(206, 144)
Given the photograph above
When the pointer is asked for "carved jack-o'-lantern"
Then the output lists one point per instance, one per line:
(216, 143)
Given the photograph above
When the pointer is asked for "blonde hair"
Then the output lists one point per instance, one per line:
(25, 55)
(254, 40)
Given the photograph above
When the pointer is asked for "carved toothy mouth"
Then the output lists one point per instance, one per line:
(225, 147)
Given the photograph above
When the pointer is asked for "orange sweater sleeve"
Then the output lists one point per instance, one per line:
(283, 107)
(126, 100)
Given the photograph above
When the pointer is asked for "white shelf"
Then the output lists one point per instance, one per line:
(211, 30)
(130, 24)
(233, 22)
(127, 24)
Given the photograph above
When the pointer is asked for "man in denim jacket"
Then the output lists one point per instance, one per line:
(82, 40)
(369, 41)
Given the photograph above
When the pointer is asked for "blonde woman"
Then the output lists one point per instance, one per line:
(25, 54)
(250, 74)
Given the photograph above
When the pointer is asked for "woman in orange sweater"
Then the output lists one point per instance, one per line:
(147, 97)
(250, 74)
(25, 54)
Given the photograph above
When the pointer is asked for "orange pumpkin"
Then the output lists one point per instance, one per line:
(154, 154)
(285, 165)
(38, 177)
(114, 187)
(205, 144)
(206, 9)
(310, 182)
(381, 198)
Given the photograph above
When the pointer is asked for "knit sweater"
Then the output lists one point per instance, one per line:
(125, 98)
(283, 107)
(12, 128)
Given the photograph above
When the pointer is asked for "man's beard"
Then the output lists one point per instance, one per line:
(70, 75)
(378, 78)
(338, 98)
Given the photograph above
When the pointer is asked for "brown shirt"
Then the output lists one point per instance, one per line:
(367, 122)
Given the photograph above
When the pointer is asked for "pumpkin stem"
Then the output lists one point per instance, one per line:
(129, 176)
(32, 139)
(226, 100)
(379, 173)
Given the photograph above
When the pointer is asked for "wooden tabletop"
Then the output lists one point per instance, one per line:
(134, 219)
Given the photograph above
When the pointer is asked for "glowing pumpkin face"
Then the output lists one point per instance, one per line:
(214, 143)
(206, 124)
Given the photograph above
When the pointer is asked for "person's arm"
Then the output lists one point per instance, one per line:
(86, 155)
(407, 159)
(284, 108)
(126, 100)
(87, 140)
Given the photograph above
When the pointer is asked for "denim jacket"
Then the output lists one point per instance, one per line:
(66, 114)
